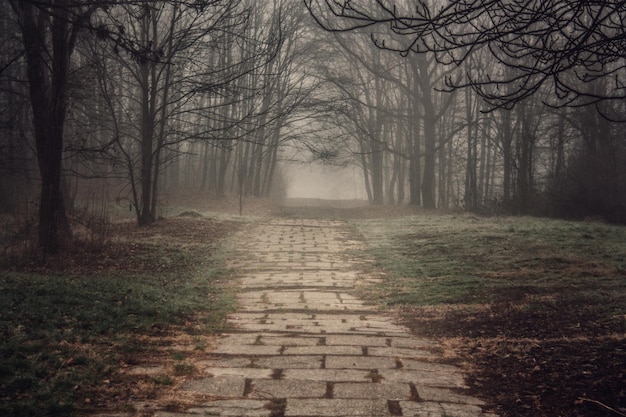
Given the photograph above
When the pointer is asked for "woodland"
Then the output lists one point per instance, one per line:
(491, 107)
(123, 121)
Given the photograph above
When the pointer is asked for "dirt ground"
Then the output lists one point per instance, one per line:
(556, 360)
(555, 364)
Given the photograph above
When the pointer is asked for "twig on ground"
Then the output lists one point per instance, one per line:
(606, 407)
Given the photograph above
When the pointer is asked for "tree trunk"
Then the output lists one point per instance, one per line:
(415, 168)
(525, 159)
(144, 216)
(506, 139)
(48, 96)
(428, 178)
(366, 169)
(483, 163)
(470, 162)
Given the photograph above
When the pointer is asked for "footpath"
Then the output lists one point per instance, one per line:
(302, 344)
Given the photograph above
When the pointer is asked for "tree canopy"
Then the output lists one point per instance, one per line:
(576, 48)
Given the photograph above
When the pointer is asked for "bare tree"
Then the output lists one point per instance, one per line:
(569, 46)
(49, 31)
(521, 58)
(17, 172)
(170, 84)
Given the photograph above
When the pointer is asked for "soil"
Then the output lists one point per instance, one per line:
(546, 363)
(557, 359)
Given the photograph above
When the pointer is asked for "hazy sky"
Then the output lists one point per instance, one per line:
(324, 181)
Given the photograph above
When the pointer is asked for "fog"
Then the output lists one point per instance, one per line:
(325, 182)
(169, 96)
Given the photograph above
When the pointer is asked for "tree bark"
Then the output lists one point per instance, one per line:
(428, 178)
(48, 77)
(415, 168)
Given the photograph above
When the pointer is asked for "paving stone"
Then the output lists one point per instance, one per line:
(360, 362)
(399, 352)
(433, 379)
(330, 375)
(290, 341)
(336, 408)
(243, 316)
(375, 331)
(293, 362)
(418, 365)
(383, 326)
(433, 409)
(145, 370)
(422, 409)
(283, 388)
(256, 327)
(356, 340)
(233, 408)
(220, 387)
(323, 350)
(325, 306)
(290, 316)
(236, 349)
(322, 295)
(372, 390)
(284, 327)
(336, 327)
(344, 317)
(239, 339)
(226, 362)
(300, 322)
(244, 372)
(443, 395)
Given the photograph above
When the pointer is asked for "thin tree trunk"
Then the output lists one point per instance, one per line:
(471, 158)
(428, 178)
(506, 138)
(480, 198)
(415, 169)
(147, 130)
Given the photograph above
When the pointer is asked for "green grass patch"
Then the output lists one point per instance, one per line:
(533, 309)
(435, 259)
(63, 331)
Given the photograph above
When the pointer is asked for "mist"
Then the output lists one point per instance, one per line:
(171, 100)
(319, 181)
(210, 206)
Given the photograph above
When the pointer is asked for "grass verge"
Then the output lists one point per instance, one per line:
(68, 325)
(533, 309)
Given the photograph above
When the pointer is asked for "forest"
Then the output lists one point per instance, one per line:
(492, 107)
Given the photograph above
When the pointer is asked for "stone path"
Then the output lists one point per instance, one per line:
(303, 345)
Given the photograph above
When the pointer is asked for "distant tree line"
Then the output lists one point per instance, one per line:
(492, 106)
(515, 107)
(145, 97)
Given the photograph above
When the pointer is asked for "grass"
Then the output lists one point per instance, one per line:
(436, 259)
(67, 326)
(534, 310)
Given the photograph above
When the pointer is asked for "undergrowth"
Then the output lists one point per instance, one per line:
(68, 323)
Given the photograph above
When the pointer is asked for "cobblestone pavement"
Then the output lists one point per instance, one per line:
(303, 345)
